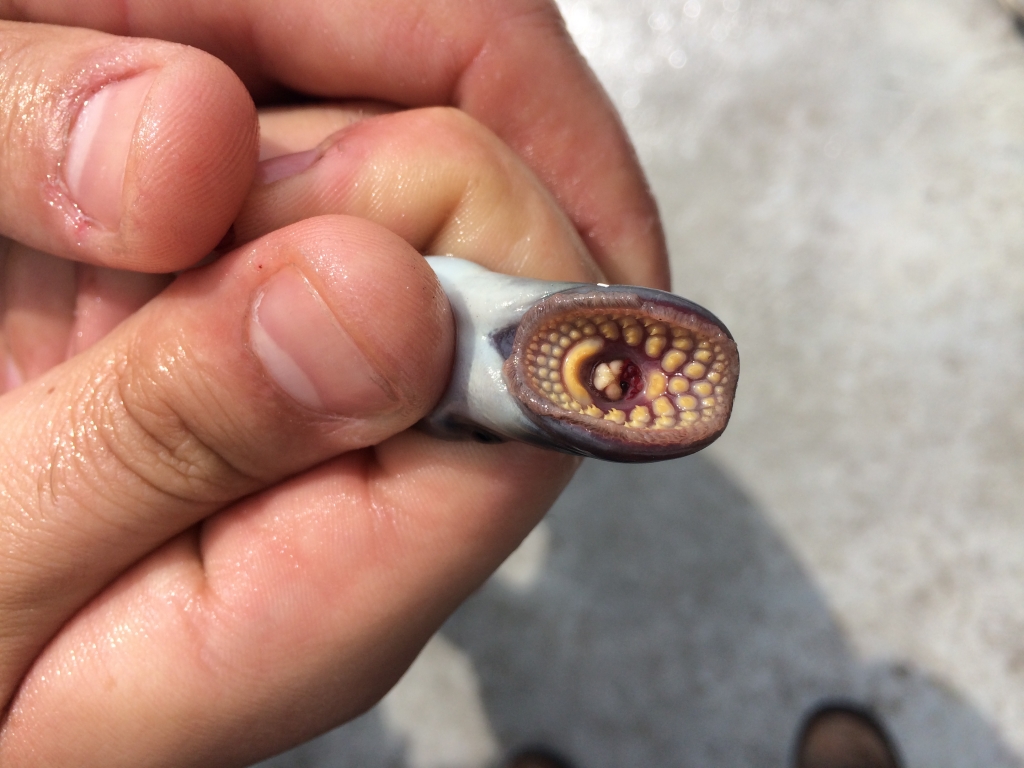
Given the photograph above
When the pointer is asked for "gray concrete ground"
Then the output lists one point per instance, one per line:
(842, 182)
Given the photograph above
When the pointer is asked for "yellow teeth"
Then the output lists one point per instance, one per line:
(684, 343)
(633, 335)
(640, 415)
(603, 376)
(657, 383)
(673, 361)
(578, 364)
(606, 379)
(678, 384)
(663, 407)
(655, 345)
(686, 402)
(702, 388)
(571, 368)
(616, 415)
(694, 370)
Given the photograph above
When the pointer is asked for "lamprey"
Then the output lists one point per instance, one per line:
(619, 373)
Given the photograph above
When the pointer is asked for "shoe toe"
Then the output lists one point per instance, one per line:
(839, 736)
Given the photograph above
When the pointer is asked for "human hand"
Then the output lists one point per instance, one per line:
(210, 557)
(508, 63)
(182, 181)
(183, 132)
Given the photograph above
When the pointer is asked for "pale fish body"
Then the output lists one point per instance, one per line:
(620, 373)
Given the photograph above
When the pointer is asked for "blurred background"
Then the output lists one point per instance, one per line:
(842, 182)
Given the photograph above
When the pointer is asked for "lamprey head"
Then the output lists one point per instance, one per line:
(627, 374)
(614, 372)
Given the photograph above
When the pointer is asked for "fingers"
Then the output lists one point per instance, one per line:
(120, 152)
(38, 311)
(555, 114)
(107, 297)
(296, 607)
(52, 308)
(279, 356)
(298, 128)
(294, 610)
(508, 63)
(485, 204)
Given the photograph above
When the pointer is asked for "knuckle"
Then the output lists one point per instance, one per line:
(157, 406)
(127, 433)
(543, 16)
(453, 122)
(24, 91)
(461, 138)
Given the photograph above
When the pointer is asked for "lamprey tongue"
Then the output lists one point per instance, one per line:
(614, 372)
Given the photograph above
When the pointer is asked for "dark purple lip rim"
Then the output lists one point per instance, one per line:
(570, 437)
(645, 296)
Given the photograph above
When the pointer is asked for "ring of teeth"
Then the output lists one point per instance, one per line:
(633, 371)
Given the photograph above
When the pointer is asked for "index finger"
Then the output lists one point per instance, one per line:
(508, 63)
(118, 152)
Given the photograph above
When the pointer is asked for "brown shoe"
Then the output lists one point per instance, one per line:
(537, 757)
(844, 736)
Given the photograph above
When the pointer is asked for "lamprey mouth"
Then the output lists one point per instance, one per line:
(614, 372)
(628, 370)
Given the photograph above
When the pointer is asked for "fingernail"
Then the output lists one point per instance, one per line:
(309, 355)
(283, 166)
(98, 147)
(13, 377)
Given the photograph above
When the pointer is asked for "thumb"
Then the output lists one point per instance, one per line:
(129, 153)
(324, 337)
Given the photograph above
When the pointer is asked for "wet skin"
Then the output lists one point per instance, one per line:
(619, 373)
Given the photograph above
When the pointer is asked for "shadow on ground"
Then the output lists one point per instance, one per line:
(670, 626)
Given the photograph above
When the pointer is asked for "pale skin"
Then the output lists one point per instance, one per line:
(196, 568)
